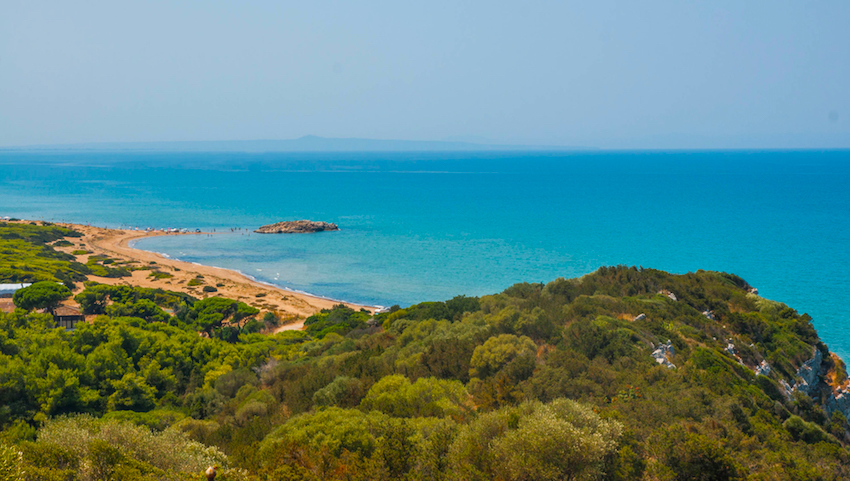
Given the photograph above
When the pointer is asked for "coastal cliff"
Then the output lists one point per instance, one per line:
(296, 227)
(625, 373)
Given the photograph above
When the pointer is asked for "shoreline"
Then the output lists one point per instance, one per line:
(131, 245)
(292, 307)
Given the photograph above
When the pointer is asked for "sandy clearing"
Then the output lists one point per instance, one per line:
(292, 307)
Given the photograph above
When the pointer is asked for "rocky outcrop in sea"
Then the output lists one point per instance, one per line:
(296, 227)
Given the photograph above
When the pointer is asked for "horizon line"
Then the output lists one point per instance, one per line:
(317, 144)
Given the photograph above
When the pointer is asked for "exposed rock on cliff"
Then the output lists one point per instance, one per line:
(763, 369)
(809, 373)
(296, 227)
(665, 292)
(663, 354)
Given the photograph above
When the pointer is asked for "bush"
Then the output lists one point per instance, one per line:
(333, 429)
(343, 391)
(695, 456)
(340, 320)
(427, 397)
(496, 352)
(170, 451)
(270, 319)
(132, 393)
(11, 463)
(805, 431)
(228, 384)
(559, 440)
(209, 289)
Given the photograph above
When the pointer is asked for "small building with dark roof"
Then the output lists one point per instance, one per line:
(67, 316)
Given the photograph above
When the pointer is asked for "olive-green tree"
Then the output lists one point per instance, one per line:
(535, 441)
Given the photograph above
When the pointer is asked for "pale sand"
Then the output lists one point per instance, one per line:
(292, 307)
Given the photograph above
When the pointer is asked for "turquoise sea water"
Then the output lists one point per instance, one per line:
(429, 226)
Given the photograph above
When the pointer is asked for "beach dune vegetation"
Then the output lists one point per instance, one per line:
(27, 255)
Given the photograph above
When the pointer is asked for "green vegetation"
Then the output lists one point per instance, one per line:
(159, 275)
(96, 297)
(41, 295)
(27, 256)
(339, 320)
(97, 264)
(194, 282)
(209, 289)
(83, 447)
(551, 381)
(548, 381)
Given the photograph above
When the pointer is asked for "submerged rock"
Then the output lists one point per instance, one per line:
(296, 227)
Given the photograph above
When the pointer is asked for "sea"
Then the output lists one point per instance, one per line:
(433, 225)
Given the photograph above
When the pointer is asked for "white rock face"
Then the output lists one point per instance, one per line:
(810, 374)
(763, 369)
(663, 354)
(787, 387)
(733, 351)
(839, 401)
(669, 294)
(639, 317)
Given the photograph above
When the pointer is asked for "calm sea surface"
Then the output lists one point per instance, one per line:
(429, 226)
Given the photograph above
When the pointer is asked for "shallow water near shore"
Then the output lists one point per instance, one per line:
(429, 226)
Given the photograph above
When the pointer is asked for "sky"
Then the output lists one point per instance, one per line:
(649, 74)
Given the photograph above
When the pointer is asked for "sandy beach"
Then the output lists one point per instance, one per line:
(292, 307)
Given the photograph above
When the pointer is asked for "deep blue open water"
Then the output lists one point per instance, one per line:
(429, 226)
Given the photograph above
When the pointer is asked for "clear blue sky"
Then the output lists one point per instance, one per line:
(657, 74)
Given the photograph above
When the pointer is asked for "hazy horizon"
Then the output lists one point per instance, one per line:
(318, 144)
(607, 75)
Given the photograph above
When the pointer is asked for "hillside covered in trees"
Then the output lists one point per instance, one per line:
(626, 373)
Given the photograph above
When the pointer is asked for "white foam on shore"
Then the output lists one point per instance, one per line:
(294, 291)
(254, 279)
(132, 244)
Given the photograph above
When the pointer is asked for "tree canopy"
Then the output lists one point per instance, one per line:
(41, 295)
